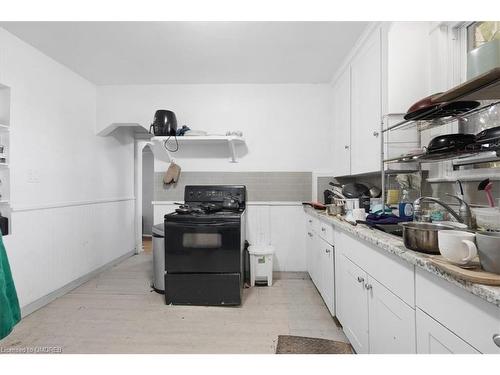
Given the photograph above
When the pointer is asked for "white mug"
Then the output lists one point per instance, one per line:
(457, 246)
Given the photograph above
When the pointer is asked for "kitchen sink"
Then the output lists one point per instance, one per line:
(394, 229)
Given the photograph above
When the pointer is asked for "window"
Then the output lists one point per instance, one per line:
(482, 32)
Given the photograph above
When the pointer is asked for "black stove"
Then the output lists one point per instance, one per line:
(204, 247)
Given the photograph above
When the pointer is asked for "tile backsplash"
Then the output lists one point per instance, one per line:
(261, 186)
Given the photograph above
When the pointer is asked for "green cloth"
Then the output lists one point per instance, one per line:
(10, 313)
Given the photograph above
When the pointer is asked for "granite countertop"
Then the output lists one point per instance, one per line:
(394, 245)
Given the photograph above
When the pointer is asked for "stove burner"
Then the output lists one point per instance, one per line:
(203, 208)
(183, 209)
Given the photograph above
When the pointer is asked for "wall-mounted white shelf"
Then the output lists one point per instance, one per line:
(4, 165)
(138, 130)
(4, 127)
(226, 141)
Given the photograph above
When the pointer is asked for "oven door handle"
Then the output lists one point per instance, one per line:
(198, 225)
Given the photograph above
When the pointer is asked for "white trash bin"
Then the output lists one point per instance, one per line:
(261, 264)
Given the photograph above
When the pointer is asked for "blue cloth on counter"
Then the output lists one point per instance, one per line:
(386, 219)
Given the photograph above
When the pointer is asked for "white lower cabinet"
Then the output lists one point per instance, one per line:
(352, 309)
(434, 338)
(327, 274)
(310, 246)
(387, 306)
(373, 318)
(321, 260)
(391, 321)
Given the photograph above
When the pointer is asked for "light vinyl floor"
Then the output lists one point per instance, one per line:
(117, 312)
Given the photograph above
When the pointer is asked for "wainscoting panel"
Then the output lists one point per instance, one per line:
(50, 248)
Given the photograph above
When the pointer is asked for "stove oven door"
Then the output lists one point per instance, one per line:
(197, 247)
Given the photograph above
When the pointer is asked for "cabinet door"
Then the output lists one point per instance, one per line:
(342, 124)
(317, 262)
(408, 65)
(353, 302)
(328, 273)
(392, 322)
(313, 258)
(309, 251)
(433, 338)
(366, 106)
(439, 64)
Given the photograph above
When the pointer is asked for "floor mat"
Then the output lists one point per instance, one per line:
(309, 345)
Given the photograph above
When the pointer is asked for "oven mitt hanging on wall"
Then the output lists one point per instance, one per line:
(172, 174)
(10, 313)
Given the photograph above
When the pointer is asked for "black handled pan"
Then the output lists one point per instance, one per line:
(353, 189)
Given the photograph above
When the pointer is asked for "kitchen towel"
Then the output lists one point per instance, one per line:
(10, 313)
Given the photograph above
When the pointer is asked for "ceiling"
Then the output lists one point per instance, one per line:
(108, 53)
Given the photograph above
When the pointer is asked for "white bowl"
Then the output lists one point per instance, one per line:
(488, 218)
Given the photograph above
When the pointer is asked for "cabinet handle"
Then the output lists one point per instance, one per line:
(323, 229)
(360, 279)
(346, 147)
(310, 221)
(496, 339)
(376, 133)
(310, 234)
(327, 250)
(368, 286)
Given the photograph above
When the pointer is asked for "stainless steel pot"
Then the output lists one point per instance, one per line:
(423, 237)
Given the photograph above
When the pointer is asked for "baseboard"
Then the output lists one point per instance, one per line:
(297, 275)
(39, 303)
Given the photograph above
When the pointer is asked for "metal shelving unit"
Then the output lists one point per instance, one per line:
(485, 89)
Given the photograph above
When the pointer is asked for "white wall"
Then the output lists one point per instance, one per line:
(287, 127)
(71, 191)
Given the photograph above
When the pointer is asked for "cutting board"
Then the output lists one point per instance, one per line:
(483, 87)
(475, 274)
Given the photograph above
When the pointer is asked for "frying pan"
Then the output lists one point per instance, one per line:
(353, 189)
(450, 142)
(425, 109)
(491, 135)
(420, 107)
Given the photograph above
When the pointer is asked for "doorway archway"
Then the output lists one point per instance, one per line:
(141, 146)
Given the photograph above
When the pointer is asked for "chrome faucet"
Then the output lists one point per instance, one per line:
(464, 214)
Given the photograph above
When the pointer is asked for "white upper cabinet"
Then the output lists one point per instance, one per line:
(407, 66)
(342, 124)
(366, 106)
(388, 72)
(439, 61)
